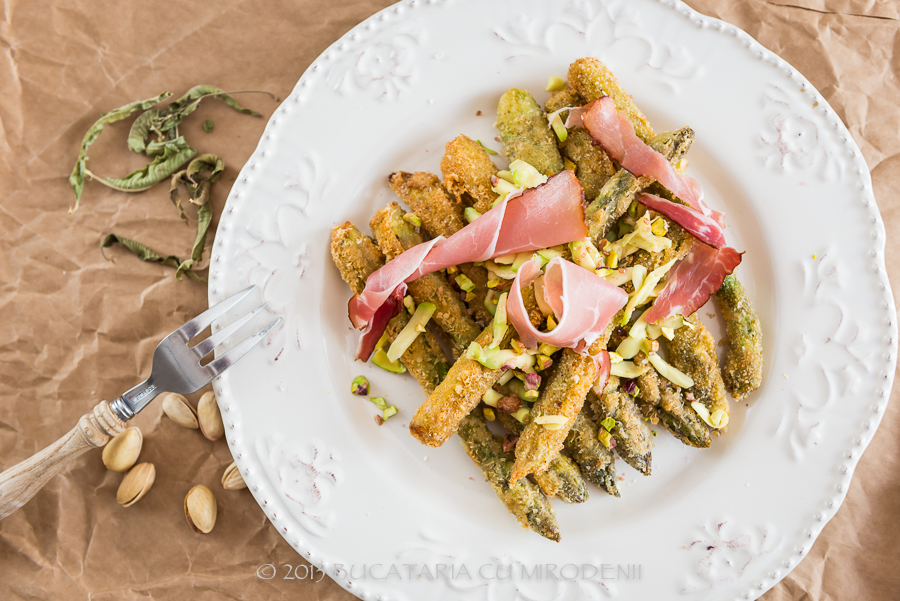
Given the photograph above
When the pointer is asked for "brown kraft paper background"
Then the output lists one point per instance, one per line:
(75, 329)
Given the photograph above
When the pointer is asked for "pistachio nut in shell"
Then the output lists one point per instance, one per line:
(210, 417)
(200, 509)
(122, 452)
(231, 479)
(135, 484)
(180, 411)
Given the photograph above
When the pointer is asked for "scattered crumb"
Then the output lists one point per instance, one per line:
(785, 376)
(478, 114)
(496, 138)
(710, 315)
(815, 104)
(814, 256)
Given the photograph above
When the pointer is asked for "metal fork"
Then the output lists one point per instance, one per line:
(176, 368)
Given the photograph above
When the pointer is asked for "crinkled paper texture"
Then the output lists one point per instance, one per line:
(77, 329)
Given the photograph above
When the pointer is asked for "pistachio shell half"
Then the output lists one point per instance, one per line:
(122, 452)
(231, 479)
(210, 417)
(180, 411)
(200, 509)
(135, 484)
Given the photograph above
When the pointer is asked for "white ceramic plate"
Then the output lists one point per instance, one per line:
(723, 523)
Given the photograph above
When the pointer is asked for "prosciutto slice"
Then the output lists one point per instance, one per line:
(582, 302)
(550, 214)
(387, 311)
(703, 227)
(693, 280)
(615, 133)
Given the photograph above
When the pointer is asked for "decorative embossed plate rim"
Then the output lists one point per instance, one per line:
(770, 151)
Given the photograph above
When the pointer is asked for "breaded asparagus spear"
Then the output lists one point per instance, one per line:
(742, 371)
(525, 133)
(467, 170)
(679, 419)
(593, 167)
(564, 396)
(562, 478)
(356, 256)
(441, 216)
(592, 80)
(623, 187)
(596, 461)
(395, 235)
(693, 351)
(634, 439)
(523, 499)
(438, 417)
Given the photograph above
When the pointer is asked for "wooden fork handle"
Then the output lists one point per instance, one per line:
(21, 482)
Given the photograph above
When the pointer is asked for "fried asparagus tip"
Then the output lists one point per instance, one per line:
(595, 460)
(525, 133)
(742, 370)
(693, 352)
(562, 478)
(467, 170)
(523, 499)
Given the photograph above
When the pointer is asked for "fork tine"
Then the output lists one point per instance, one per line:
(202, 321)
(235, 353)
(203, 348)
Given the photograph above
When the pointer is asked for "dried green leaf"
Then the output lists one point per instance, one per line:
(168, 157)
(208, 126)
(179, 178)
(204, 218)
(187, 104)
(145, 253)
(198, 178)
(76, 179)
(141, 128)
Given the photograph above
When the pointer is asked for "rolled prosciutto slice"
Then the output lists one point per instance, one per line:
(582, 303)
(693, 280)
(550, 214)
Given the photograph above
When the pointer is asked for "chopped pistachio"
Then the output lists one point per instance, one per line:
(388, 412)
(490, 301)
(551, 323)
(615, 358)
(612, 260)
(379, 402)
(465, 283)
(555, 84)
(608, 423)
(470, 296)
(605, 437)
(452, 269)
(420, 328)
(471, 214)
(413, 219)
(409, 303)
(633, 209)
(493, 282)
(380, 359)
(547, 349)
(359, 386)
(568, 164)
(659, 226)
(489, 414)
(517, 346)
(542, 362)
(522, 414)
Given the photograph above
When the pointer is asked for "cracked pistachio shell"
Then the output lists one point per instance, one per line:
(200, 509)
(210, 417)
(122, 452)
(180, 411)
(135, 484)
(231, 479)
